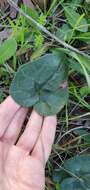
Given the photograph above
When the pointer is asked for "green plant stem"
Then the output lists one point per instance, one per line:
(79, 116)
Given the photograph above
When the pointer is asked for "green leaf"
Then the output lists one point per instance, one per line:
(76, 2)
(7, 49)
(84, 37)
(59, 175)
(77, 21)
(57, 186)
(40, 84)
(73, 64)
(31, 12)
(71, 184)
(39, 52)
(85, 135)
(76, 166)
(42, 19)
(84, 91)
(87, 1)
(64, 33)
(52, 103)
(38, 41)
(75, 174)
(84, 63)
(87, 138)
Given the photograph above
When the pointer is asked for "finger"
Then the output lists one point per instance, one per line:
(7, 111)
(44, 144)
(11, 134)
(31, 133)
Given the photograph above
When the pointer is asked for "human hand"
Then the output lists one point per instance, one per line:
(22, 166)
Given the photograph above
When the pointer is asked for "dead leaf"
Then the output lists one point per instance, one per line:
(2, 3)
(40, 3)
(5, 34)
(28, 3)
(13, 11)
(31, 3)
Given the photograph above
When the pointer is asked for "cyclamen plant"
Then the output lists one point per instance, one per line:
(41, 82)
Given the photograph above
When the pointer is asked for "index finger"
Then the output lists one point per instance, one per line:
(43, 146)
(8, 109)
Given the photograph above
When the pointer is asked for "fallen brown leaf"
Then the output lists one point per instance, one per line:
(28, 3)
(31, 3)
(40, 3)
(2, 3)
(5, 34)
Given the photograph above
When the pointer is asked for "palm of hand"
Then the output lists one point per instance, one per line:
(20, 171)
(22, 166)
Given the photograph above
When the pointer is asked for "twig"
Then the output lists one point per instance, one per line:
(42, 28)
(71, 130)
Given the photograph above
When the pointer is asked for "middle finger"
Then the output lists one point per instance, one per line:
(29, 137)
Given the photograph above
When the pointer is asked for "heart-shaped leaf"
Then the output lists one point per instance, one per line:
(74, 174)
(77, 165)
(41, 84)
